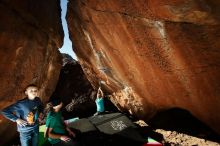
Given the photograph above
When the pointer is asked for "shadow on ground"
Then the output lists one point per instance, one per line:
(182, 121)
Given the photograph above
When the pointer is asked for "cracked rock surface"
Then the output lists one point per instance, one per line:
(151, 55)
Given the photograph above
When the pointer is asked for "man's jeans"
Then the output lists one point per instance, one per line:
(29, 138)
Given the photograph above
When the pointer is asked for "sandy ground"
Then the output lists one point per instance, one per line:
(173, 138)
(178, 127)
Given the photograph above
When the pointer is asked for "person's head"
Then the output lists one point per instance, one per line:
(57, 104)
(31, 91)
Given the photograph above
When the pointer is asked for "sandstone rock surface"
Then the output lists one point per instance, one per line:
(30, 35)
(151, 55)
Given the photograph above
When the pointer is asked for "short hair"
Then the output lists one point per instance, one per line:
(30, 85)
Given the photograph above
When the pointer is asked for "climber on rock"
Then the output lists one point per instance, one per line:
(100, 107)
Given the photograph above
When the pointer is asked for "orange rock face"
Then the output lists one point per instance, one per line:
(152, 55)
(30, 35)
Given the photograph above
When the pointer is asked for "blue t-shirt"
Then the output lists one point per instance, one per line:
(27, 110)
(100, 105)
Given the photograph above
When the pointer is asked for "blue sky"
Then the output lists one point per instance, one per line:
(67, 44)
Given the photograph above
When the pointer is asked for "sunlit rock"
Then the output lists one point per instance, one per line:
(151, 55)
(30, 35)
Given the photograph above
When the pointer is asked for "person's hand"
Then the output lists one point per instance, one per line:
(99, 93)
(65, 138)
(71, 133)
(21, 122)
(41, 121)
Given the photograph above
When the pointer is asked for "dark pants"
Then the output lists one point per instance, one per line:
(29, 138)
(69, 143)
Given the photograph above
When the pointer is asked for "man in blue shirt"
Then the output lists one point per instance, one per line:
(100, 108)
(26, 113)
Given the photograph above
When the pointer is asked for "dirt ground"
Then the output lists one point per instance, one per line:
(173, 138)
(178, 127)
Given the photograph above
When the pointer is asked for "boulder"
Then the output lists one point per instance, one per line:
(30, 35)
(151, 55)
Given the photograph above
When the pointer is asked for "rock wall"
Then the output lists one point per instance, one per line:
(74, 90)
(151, 55)
(30, 35)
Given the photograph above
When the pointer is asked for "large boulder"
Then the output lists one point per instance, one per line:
(151, 55)
(30, 35)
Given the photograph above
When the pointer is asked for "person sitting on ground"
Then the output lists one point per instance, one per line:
(100, 107)
(56, 127)
(27, 113)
